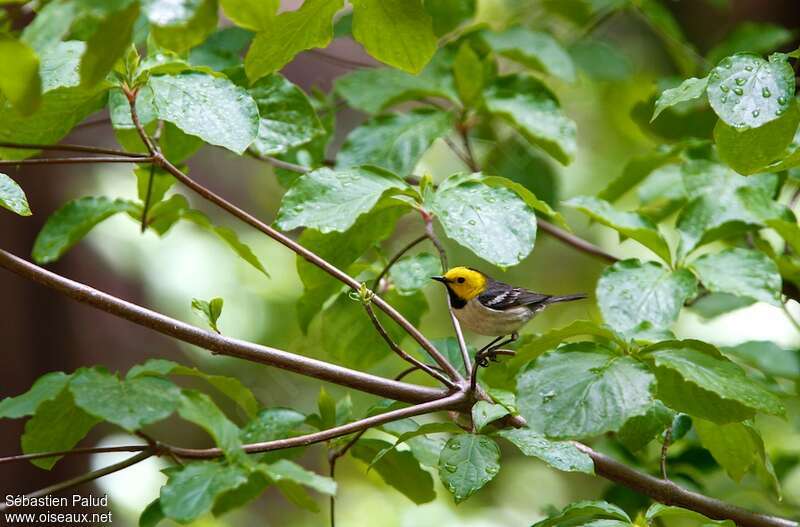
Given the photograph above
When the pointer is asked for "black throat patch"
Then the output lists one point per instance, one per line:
(455, 301)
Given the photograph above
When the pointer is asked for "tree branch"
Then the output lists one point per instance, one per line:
(71, 148)
(73, 452)
(76, 160)
(457, 401)
(84, 478)
(576, 242)
(668, 493)
(401, 353)
(217, 343)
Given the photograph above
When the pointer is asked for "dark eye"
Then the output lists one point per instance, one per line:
(461, 280)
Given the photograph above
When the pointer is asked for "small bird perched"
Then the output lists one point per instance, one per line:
(488, 307)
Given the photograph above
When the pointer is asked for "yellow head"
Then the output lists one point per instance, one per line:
(465, 283)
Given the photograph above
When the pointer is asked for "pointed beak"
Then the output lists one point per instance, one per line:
(441, 279)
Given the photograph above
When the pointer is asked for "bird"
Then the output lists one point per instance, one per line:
(493, 308)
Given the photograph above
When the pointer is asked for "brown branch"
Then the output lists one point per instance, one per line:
(73, 452)
(217, 343)
(576, 242)
(71, 148)
(402, 354)
(458, 401)
(668, 493)
(84, 478)
(664, 451)
(76, 160)
(278, 163)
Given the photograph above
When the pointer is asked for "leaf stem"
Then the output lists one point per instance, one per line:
(664, 450)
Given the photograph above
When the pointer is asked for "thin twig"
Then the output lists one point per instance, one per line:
(146, 208)
(71, 148)
(73, 452)
(664, 450)
(84, 478)
(76, 160)
(396, 257)
(472, 163)
(789, 315)
(576, 242)
(278, 163)
(457, 151)
(341, 61)
(220, 344)
(402, 354)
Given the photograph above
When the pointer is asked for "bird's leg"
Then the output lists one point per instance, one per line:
(491, 350)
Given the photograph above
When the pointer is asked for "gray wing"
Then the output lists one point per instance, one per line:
(502, 296)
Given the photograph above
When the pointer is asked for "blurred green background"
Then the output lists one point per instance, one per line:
(43, 332)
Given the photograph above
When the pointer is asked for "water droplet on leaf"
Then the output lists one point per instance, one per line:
(724, 88)
(765, 93)
(740, 81)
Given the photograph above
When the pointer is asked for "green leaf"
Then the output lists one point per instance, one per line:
(179, 26)
(723, 203)
(741, 272)
(12, 197)
(50, 25)
(467, 463)
(529, 349)
(485, 413)
(228, 236)
(449, 14)
(332, 200)
(451, 351)
(57, 425)
(534, 111)
(271, 424)
(199, 409)
(69, 224)
(426, 448)
(765, 356)
(494, 223)
(756, 37)
(287, 34)
(193, 489)
(637, 170)
(629, 224)
(400, 470)
(664, 25)
(212, 108)
(176, 145)
(64, 102)
(349, 337)
(396, 32)
(46, 388)
(222, 50)
(561, 455)
(19, 75)
(327, 409)
(583, 390)
(708, 386)
(734, 445)
(515, 159)
(162, 182)
(395, 141)
(414, 434)
(107, 44)
(389, 86)
(747, 91)
(291, 478)
(523, 192)
(640, 430)
(631, 292)
(468, 74)
(208, 310)
(250, 14)
(581, 512)
(231, 387)
(751, 150)
(152, 515)
(601, 60)
(659, 510)
(130, 403)
(412, 273)
(534, 49)
(688, 90)
(287, 117)
(165, 214)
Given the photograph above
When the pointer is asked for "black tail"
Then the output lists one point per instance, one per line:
(565, 298)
